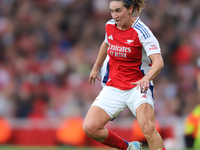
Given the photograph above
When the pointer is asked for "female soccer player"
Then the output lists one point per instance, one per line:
(134, 60)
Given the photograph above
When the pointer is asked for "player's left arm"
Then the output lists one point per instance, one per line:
(157, 65)
(153, 51)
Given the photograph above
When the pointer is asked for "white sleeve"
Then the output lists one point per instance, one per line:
(106, 39)
(148, 40)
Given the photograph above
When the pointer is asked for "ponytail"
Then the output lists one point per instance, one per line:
(139, 5)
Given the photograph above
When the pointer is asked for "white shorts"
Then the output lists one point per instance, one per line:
(113, 101)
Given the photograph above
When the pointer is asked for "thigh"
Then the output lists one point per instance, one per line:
(111, 100)
(145, 116)
(96, 118)
(145, 112)
(136, 98)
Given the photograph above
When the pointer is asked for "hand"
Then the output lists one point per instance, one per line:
(93, 76)
(143, 84)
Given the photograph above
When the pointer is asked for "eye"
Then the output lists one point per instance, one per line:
(118, 10)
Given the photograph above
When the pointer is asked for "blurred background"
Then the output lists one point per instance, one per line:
(47, 50)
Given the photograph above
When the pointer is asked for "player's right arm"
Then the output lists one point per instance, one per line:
(99, 61)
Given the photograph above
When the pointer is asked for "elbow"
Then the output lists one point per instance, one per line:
(161, 64)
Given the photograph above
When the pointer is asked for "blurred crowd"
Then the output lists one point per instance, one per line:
(48, 48)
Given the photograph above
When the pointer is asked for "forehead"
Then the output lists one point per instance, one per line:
(116, 4)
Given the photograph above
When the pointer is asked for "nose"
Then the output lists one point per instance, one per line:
(115, 16)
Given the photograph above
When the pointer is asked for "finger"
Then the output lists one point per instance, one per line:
(146, 86)
(90, 80)
(98, 78)
(142, 89)
(93, 80)
(134, 83)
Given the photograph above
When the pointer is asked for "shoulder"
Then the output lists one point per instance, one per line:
(110, 22)
(141, 28)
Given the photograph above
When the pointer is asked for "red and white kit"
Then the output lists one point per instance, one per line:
(127, 61)
(128, 54)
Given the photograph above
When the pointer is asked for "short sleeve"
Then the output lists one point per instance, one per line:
(106, 40)
(147, 39)
(150, 45)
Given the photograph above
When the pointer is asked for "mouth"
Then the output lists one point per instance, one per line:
(118, 21)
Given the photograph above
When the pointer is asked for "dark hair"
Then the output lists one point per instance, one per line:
(138, 5)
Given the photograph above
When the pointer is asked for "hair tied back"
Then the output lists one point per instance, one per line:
(128, 2)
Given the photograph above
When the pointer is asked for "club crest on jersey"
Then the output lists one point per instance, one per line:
(110, 37)
(129, 41)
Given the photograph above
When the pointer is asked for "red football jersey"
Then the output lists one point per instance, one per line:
(128, 53)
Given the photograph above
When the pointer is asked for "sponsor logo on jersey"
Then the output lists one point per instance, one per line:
(120, 48)
(110, 37)
(153, 47)
(129, 41)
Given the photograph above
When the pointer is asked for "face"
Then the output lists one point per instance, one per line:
(120, 13)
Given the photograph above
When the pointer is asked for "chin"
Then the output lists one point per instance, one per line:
(120, 24)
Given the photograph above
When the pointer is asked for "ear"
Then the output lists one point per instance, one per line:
(130, 10)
